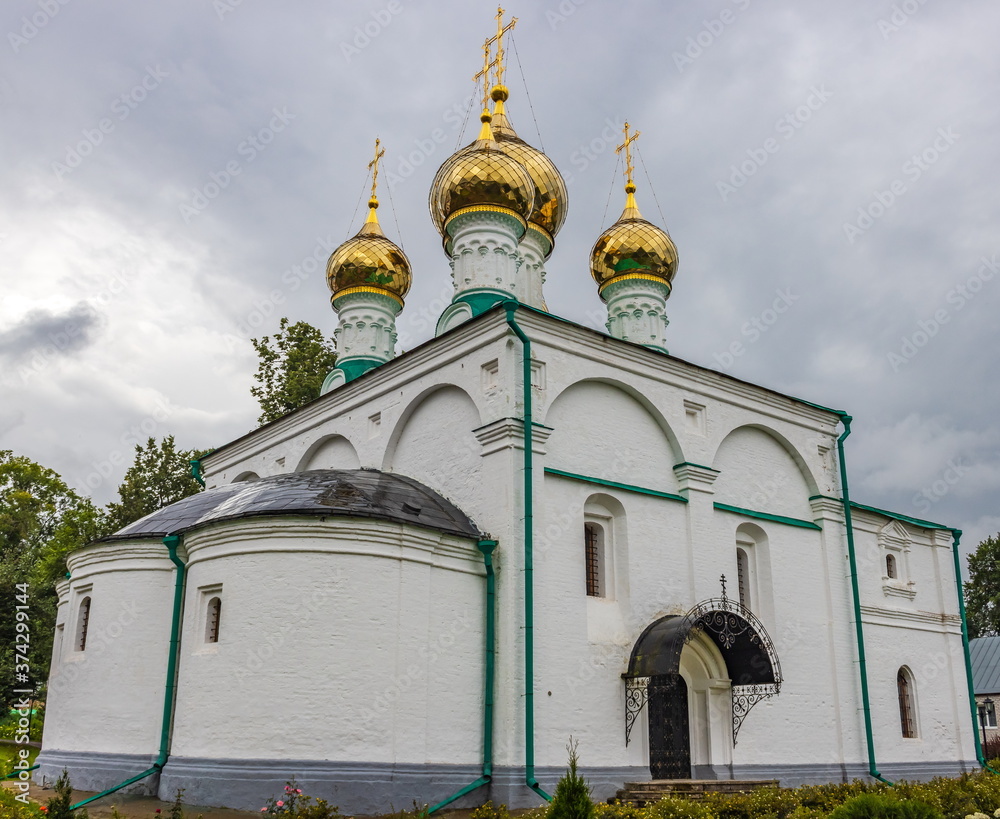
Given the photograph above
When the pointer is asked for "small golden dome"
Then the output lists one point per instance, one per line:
(551, 197)
(369, 263)
(484, 177)
(633, 248)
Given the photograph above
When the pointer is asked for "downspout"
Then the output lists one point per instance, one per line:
(489, 649)
(863, 666)
(196, 471)
(956, 535)
(529, 604)
(172, 542)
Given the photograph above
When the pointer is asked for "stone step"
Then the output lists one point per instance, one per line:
(641, 794)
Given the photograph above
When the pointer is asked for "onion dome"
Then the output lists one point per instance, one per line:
(369, 263)
(481, 177)
(551, 197)
(633, 248)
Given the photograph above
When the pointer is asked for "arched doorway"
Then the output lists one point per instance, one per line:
(716, 659)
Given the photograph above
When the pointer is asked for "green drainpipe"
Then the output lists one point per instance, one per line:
(486, 547)
(196, 471)
(529, 604)
(171, 542)
(956, 535)
(848, 522)
(17, 772)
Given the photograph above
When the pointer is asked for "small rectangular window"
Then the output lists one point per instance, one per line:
(212, 621)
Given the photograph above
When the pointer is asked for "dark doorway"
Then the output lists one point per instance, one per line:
(669, 738)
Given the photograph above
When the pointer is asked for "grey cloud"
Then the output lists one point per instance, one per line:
(55, 334)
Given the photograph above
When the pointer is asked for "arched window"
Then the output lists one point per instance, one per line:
(593, 537)
(743, 576)
(907, 718)
(213, 620)
(82, 624)
(890, 566)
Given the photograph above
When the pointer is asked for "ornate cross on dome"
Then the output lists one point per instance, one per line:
(373, 166)
(627, 147)
(497, 63)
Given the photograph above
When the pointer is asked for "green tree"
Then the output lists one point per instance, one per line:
(159, 475)
(41, 521)
(291, 368)
(982, 592)
(572, 797)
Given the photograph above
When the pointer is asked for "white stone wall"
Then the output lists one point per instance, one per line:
(333, 633)
(109, 697)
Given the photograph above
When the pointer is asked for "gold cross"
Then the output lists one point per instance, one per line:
(627, 147)
(374, 165)
(498, 39)
(485, 74)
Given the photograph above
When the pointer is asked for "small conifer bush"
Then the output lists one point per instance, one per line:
(572, 798)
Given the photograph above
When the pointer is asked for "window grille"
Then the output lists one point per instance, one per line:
(743, 577)
(593, 559)
(212, 622)
(906, 721)
(890, 566)
(83, 623)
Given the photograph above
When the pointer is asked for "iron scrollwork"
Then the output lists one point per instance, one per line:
(727, 620)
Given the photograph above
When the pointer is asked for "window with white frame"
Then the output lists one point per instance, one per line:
(211, 616)
(603, 526)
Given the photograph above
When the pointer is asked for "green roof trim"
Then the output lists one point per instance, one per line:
(641, 490)
(750, 513)
(925, 524)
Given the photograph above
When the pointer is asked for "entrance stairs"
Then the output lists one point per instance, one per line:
(641, 794)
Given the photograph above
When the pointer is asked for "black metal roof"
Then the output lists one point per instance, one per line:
(353, 493)
(985, 655)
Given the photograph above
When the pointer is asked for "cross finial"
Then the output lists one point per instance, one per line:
(373, 167)
(485, 74)
(497, 63)
(498, 39)
(627, 147)
(723, 579)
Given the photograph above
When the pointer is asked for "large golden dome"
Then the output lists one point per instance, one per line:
(551, 197)
(481, 176)
(633, 248)
(369, 263)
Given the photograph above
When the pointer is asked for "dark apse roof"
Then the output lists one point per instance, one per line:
(985, 655)
(353, 493)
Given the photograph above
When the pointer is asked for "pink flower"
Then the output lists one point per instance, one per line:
(298, 791)
(279, 803)
(262, 810)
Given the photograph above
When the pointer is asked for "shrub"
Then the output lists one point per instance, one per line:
(884, 806)
(292, 804)
(58, 806)
(572, 798)
(488, 811)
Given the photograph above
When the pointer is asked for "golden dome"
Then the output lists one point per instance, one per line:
(551, 197)
(633, 248)
(481, 176)
(369, 263)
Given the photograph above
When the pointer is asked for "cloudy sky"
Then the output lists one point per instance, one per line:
(175, 174)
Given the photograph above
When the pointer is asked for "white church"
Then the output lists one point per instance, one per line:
(421, 584)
